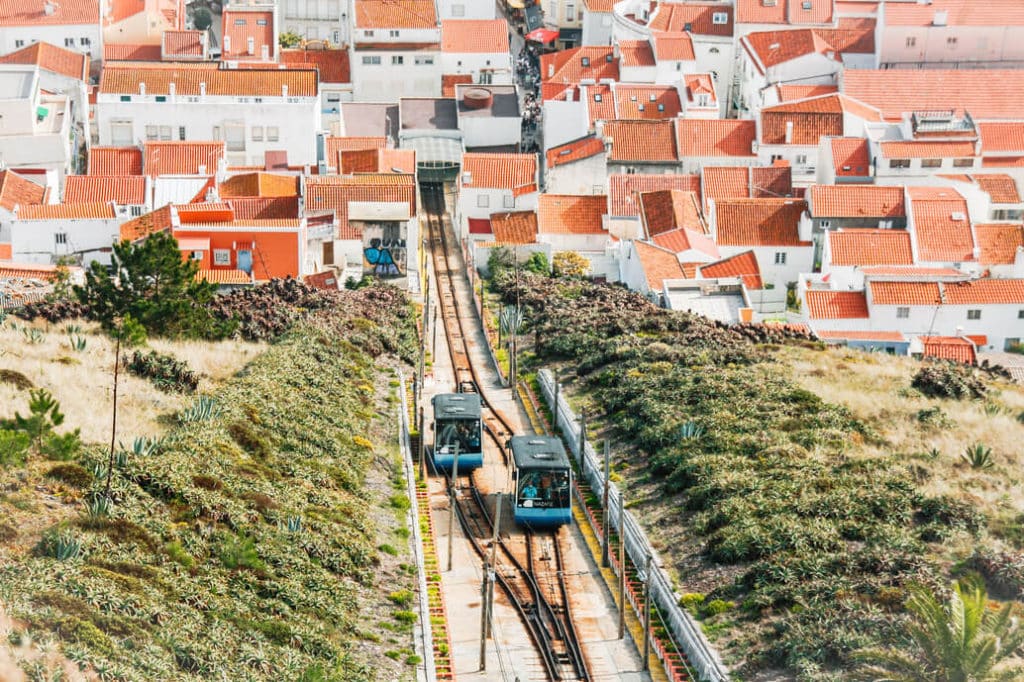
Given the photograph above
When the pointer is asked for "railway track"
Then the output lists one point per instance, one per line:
(533, 578)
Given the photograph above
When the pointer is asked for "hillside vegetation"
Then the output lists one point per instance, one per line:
(255, 540)
(794, 492)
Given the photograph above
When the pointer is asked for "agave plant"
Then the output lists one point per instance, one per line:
(72, 329)
(77, 343)
(144, 446)
(99, 507)
(203, 409)
(978, 456)
(691, 430)
(32, 335)
(63, 546)
(294, 524)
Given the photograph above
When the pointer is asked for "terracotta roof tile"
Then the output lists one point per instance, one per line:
(474, 36)
(51, 58)
(1001, 137)
(392, 160)
(391, 14)
(926, 149)
(673, 47)
(450, 80)
(777, 47)
(334, 192)
(853, 201)
(32, 12)
(260, 185)
(1000, 187)
(182, 158)
(700, 84)
(577, 150)
(600, 103)
(958, 13)
(517, 172)
(572, 66)
(903, 293)
(812, 119)
(725, 182)
(333, 145)
(599, 5)
(265, 208)
(228, 276)
(941, 226)
(999, 243)
(681, 239)
(637, 53)
(910, 272)
(92, 210)
(771, 181)
(859, 247)
(951, 348)
(333, 65)
(357, 161)
(759, 222)
(123, 52)
(122, 190)
(41, 271)
(571, 214)
(665, 210)
(861, 336)
(5, 252)
(188, 44)
(623, 189)
(641, 141)
(121, 78)
(647, 102)
(984, 291)
(850, 156)
(789, 93)
(239, 27)
(836, 305)
(854, 35)
(715, 137)
(696, 18)
(146, 224)
(743, 265)
(115, 161)
(986, 94)
(516, 227)
(658, 264)
(16, 190)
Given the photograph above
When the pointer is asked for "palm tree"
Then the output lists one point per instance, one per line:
(962, 641)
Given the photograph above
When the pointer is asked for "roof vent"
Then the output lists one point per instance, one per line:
(142, 88)
(227, 44)
(201, 169)
(467, 178)
(653, 97)
(477, 98)
(608, 57)
(688, 27)
(768, 3)
(597, 97)
(543, 455)
(536, 441)
(640, 108)
(202, 89)
(958, 216)
(806, 4)
(49, 8)
(941, 18)
(774, 46)
(585, 61)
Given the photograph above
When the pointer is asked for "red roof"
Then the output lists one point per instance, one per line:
(5, 252)
(658, 264)
(623, 189)
(390, 14)
(836, 305)
(811, 119)
(577, 150)
(952, 348)
(115, 161)
(759, 222)
(125, 52)
(334, 192)
(17, 191)
(146, 224)
(790, 93)
(941, 225)
(742, 182)
(673, 47)
(260, 185)
(182, 158)
(333, 145)
(860, 336)
(264, 208)
(850, 156)
(474, 36)
(715, 137)
(122, 190)
(926, 149)
(647, 102)
(450, 80)
(695, 18)
(986, 94)
(87, 211)
(681, 239)
(571, 214)
(743, 265)
(516, 227)
(51, 58)
(184, 44)
(999, 243)
(784, 12)
(123, 78)
(65, 13)
(860, 247)
(984, 291)
(776, 47)
(857, 201)
(669, 209)
(636, 53)
(517, 172)
(1002, 189)
(1001, 137)
(572, 66)
(904, 293)
(333, 65)
(641, 141)
(240, 28)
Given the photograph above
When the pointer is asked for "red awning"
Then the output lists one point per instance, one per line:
(542, 35)
(480, 226)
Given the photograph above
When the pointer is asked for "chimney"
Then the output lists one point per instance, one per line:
(227, 44)
(789, 132)
(250, 44)
(49, 8)
(142, 88)
(264, 52)
(202, 89)
(941, 18)
(171, 89)
(284, 90)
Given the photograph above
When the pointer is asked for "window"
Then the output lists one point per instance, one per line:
(367, 34)
(261, 22)
(136, 211)
(272, 134)
(585, 61)
(221, 257)
(911, 41)
(60, 238)
(397, 60)
(903, 312)
(234, 138)
(19, 43)
(570, 13)
(181, 133)
(974, 314)
(801, 159)
(597, 97)
(239, 22)
(121, 133)
(508, 201)
(126, 98)
(152, 132)
(931, 163)
(713, 50)
(393, 34)
(197, 255)
(69, 42)
(257, 133)
(1020, 314)
(483, 201)
(780, 257)
(423, 61)
(216, 133)
(84, 41)
(963, 163)
(161, 98)
(825, 224)
(458, 10)
(951, 42)
(165, 133)
(720, 18)
(371, 60)
(899, 163)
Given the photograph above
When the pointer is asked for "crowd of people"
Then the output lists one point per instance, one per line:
(528, 73)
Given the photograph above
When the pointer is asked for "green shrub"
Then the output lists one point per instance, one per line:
(237, 552)
(13, 448)
(401, 598)
(949, 380)
(716, 607)
(178, 554)
(400, 501)
(978, 456)
(61, 545)
(404, 616)
(692, 601)
(163, 371)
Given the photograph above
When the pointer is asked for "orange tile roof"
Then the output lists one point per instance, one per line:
(641, 141)
(229, 276)
(92, 210)
(600, 102)
(636, 53)
(123, 52)
(146, 224)
(658, 264)
(984, 291)
(357, 161)
(761, 11)
(517, 172)
(771, 181)
(264, 208)
(908, 272)
(776, 47)
(861, 336)
(260, 185)
(854, 35)
(392, 160)
(475, 36)
(647, 102)
(759, 222)
(16, 190)
(681, 239)
(958, 13)
(1003, 162)
(333, 65)
(600, 5)
(949, 348)
(812, 119)
(334, 192)
(572, 66)
(857, 201)
(836, 305)
(789, 93)
(999, 243)
(391, 14)
(42, 271)
(1001, 188)
(123, 78)
(725, 182)
(571, 214)
(333, 145)
(115, 161)
(182, 158)
(5, 252)
(675, 17)
(623, 189)
(985, 94)
(870, 247)
(669, 209)
(715, 137)
(926, 149)
(65, 13)
(743, 265)
(51, 58)
(122, 190)
(904, 293)
(941, 226)
(238, 27)
(184, 44)
(673, 47)
(1001, 137)
(515, 227)
(450, 80)
(577, 150)
(700, 84)
(850, 156)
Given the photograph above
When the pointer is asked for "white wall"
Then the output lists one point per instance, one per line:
(715, 56)
(799, 259)
(631, 270)
(34, 241)
(998, 322)
(802, 158)
(472, 63)
(597, 28)
(419, 75)
(466, 9)
(564, 122)
(496, 200)
(55, 34)
(485, 131)
(316, 19)
(977, 46)
(587, 176)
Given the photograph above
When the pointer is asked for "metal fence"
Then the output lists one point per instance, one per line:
(685, 631)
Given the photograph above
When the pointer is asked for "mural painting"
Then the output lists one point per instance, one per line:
(384, 250)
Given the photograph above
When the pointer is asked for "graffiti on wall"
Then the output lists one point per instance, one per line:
(384, 250)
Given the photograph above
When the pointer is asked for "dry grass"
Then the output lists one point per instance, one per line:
(83, 381)
(877, 390)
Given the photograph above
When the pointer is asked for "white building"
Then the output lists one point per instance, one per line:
(317, 19)
(791, 57)
(466, 9)
(577, 167)
(597, 21)
(477, 48)
(46, 232)
(495, 183)
(489, 116)
(252, 110)
(71, 25)
(772, 229)
(395, 50)
(35, 128)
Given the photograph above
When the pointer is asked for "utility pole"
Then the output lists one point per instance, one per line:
(647, 614)
(622, 564)
(604, 505)
(488, 587)
(433, 343)
(423, 446)
(484, 607)
(452, 502)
